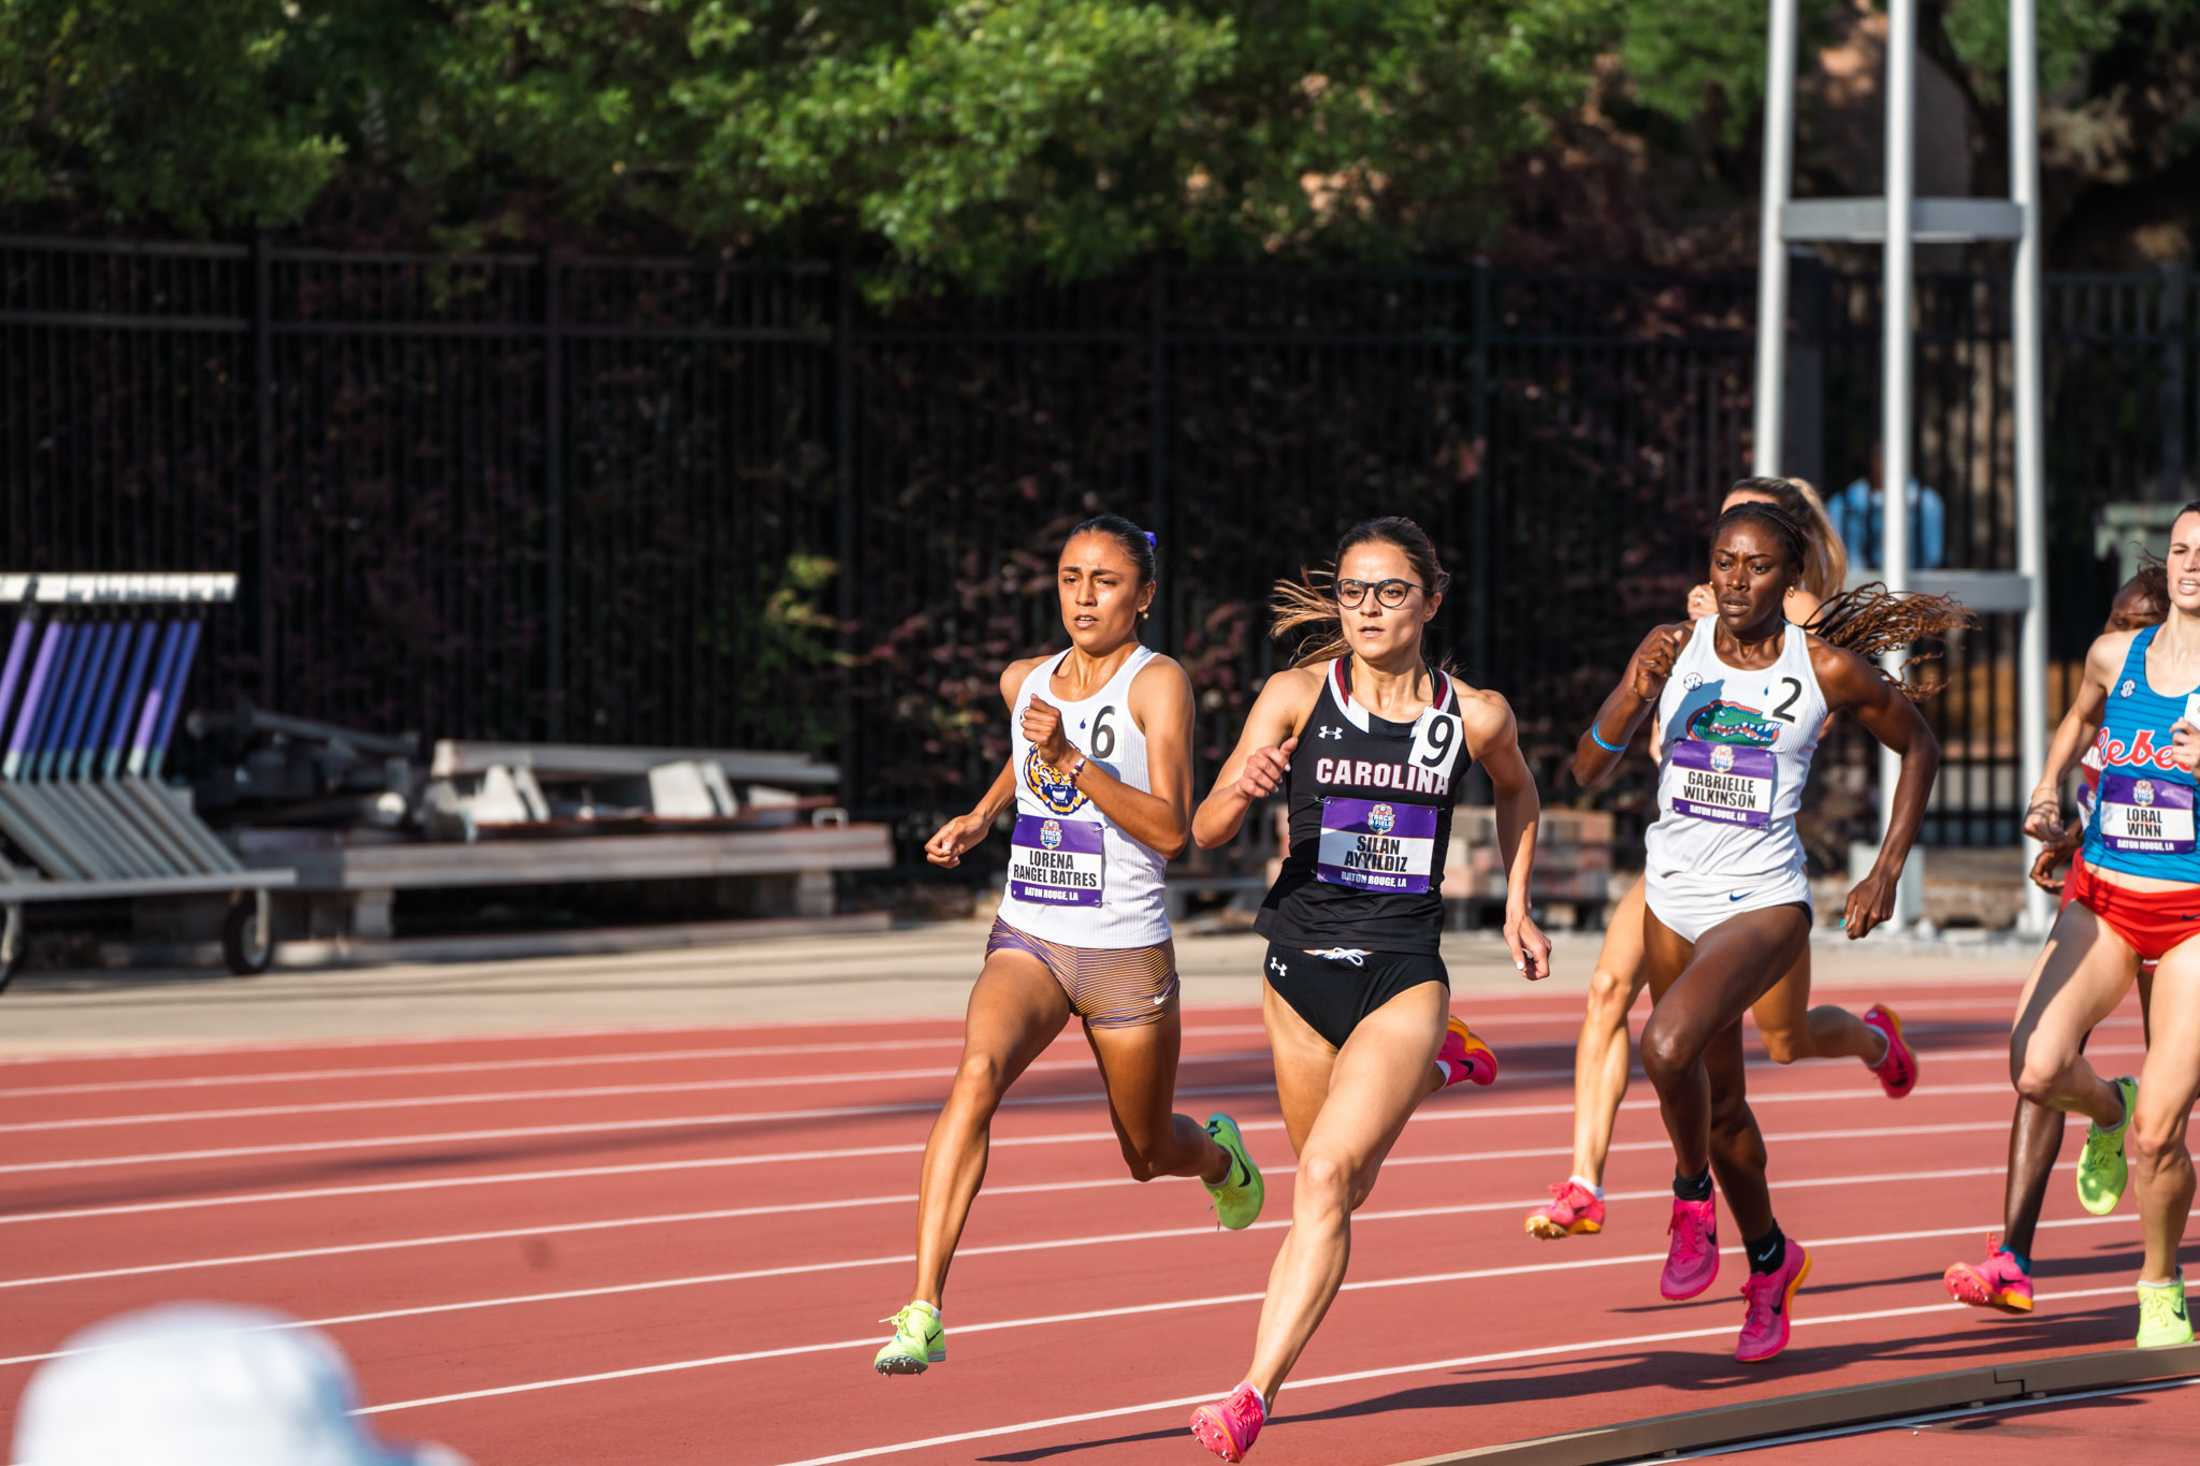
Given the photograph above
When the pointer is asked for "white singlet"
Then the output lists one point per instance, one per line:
(1073, 877)
(1736, 748)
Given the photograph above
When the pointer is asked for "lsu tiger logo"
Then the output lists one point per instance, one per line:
(1382, 819)
(1050, 788)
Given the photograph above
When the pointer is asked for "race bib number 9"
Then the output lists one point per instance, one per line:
(1376, 846)
(1056, 862)
(1724, 783)
(2151, 815)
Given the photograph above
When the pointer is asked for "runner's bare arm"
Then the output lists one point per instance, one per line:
(1856, 686)
(2043, 819)
(1161, 705)
(1603, 743)
(1261, 762)
(1493, 738)
(955, 839)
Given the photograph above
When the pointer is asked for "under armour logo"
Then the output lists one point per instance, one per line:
(1692, 681)
(1275, 965)
(1330, 730)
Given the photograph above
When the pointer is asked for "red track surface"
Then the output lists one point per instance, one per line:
(708, 1223)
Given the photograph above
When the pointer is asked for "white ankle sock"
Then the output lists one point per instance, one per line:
(1587, 1185)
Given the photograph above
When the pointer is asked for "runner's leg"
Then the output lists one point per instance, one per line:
(1016, 1010)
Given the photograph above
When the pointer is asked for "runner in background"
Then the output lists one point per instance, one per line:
(2004, 1279)
(2135, 898)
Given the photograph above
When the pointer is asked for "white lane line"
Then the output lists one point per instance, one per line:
(871, 1340)
(1725, 1330)
(899, 1042)
(565, 1061)
(849, 1112)
(396, 1244)
(1507, 1356)
(1934, 998)
(640, 1168)
(839, 1078)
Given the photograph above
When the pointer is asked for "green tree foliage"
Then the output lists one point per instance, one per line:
(968, 140)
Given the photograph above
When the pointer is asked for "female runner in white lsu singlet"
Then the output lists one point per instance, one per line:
(1100, 775)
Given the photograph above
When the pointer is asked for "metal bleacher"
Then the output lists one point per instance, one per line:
(95, 671)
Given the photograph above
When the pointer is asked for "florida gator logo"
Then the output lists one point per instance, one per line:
(1730, 722)
(1051, 789)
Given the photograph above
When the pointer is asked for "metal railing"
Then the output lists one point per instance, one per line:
(673, 501)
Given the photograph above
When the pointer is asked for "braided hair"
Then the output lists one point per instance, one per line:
(1871, 618)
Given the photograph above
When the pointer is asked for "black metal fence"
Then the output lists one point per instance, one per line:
(695, 502)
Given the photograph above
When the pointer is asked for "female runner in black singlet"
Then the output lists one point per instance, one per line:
(1367, 741)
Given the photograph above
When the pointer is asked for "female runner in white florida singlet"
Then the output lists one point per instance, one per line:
(1741, 698)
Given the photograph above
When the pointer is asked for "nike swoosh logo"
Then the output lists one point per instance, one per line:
(1737, 895)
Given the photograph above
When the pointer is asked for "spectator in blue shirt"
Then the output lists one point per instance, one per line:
(1859, 513)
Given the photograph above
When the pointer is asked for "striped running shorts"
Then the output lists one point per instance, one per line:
(1108, 987)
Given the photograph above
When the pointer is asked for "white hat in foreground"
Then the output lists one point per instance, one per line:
(196, 1384)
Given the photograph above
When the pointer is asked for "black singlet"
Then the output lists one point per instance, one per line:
(1370, 811)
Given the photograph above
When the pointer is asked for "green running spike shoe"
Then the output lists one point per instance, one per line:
(2163, 1321)
(919, 1342)
(2102, 1169)
(1237, 1196)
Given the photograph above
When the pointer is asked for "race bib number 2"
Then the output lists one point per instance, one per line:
(1056, 862)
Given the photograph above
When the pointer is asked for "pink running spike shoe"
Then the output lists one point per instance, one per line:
(1767, 1302)
(1898, 1071)
(1572, 1212)
(1691, 1249)
(1995, 1283)
(1231, 1425)
(1465, 1058)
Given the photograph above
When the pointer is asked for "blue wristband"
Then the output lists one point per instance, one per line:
(1599, 737)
